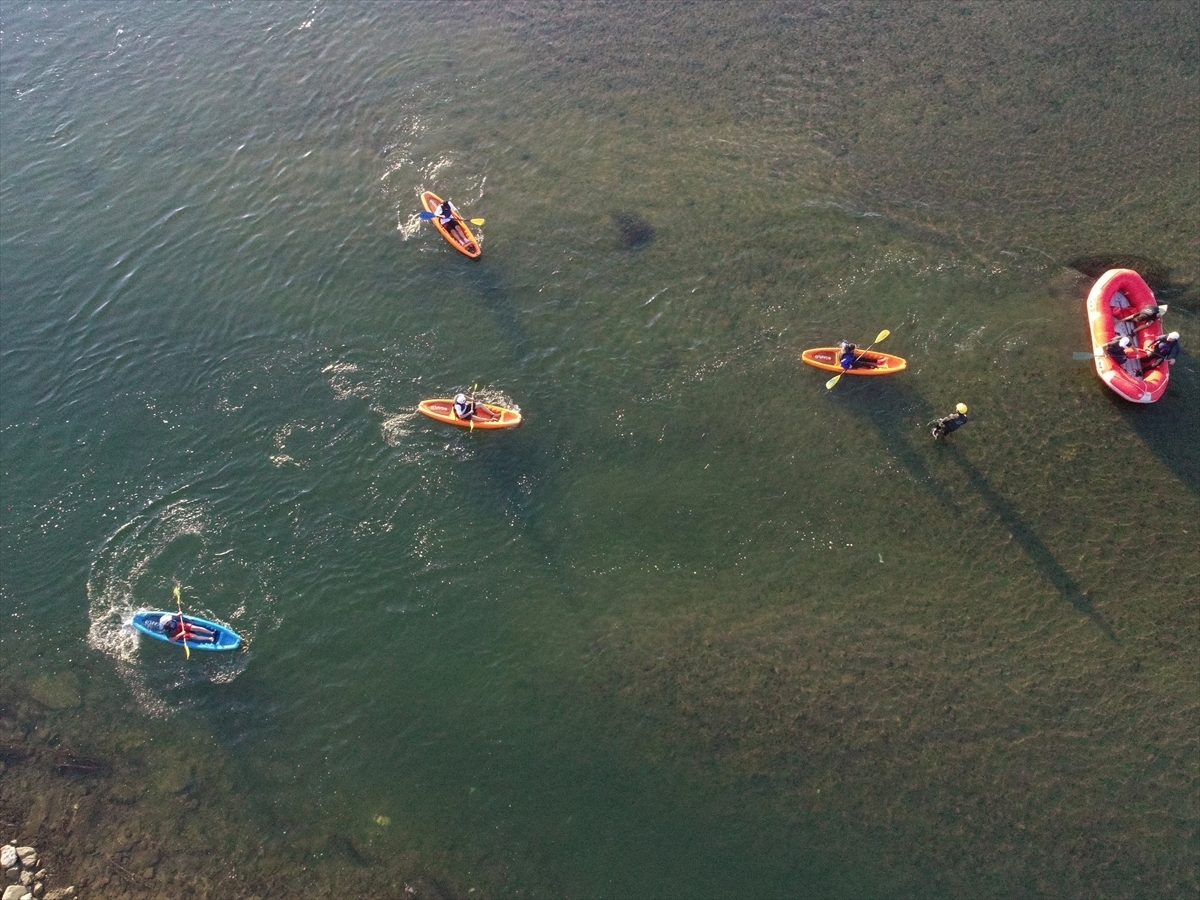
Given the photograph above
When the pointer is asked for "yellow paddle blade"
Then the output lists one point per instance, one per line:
(477, 221)
(832, 381)
(187, 654)
(882, 335)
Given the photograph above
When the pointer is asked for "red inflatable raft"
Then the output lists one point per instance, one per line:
(1115, 298)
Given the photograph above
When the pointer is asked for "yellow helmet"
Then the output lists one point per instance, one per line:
(962, 408)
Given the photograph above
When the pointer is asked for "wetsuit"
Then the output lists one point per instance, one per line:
(947, 424)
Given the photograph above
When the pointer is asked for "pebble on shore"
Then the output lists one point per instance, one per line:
(24, 883)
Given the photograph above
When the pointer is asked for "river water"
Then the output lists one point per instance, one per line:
(700, 626)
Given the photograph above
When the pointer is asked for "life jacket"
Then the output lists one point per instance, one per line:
(465, 409)
(1114, 350)
(847, 356)
(446, 213)
(1165, 348)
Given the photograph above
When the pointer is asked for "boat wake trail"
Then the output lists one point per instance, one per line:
(138, 567)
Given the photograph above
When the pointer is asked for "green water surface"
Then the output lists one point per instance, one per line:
(700, 626)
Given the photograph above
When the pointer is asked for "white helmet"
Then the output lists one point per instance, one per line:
(460, 398)
(1173, 336)
(1125, 342)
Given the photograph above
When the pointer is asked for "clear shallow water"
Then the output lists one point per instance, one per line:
(699, 626)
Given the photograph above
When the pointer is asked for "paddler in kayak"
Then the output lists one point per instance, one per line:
(850, 358)
(943, 426)
(170, 626)
(1163, 348)
(463, 408)
(846, 354)
(447, 214)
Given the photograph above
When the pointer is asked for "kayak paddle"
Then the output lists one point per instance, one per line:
(834, 380)
(187, 654)
(1132, 353)
(429, 215)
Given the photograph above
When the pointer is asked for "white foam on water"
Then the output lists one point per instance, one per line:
(138, 568)
(122, 562)
(397, 426)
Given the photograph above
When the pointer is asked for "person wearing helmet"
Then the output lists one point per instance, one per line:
(849, 357)
(1146, 316)
(448, 216)
(1164, 348)
(1115, 350)
(943, 426)
(846, 351)
(463, 408)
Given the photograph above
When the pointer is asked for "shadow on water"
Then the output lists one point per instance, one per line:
(498, 302)
(892, 410)
(1155, 273)
(517, 464)
(1169, 427)
(1039, 554)
(895, 412)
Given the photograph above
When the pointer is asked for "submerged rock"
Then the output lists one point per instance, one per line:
(635, 231)
(59, 691)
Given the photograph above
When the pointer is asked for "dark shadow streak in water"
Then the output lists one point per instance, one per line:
(496, 299)
(891, 409)
(1157, 275)
(1170, 428)
(517, 465)
(519, 469)
(1039, 554)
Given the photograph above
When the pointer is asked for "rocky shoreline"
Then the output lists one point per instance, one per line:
(145, 809)
(26, 875)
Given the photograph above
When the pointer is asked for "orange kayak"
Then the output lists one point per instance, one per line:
(869, 362)
(431, 202)
(487, 415)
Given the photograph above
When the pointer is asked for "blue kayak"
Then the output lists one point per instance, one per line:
(223, 638)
